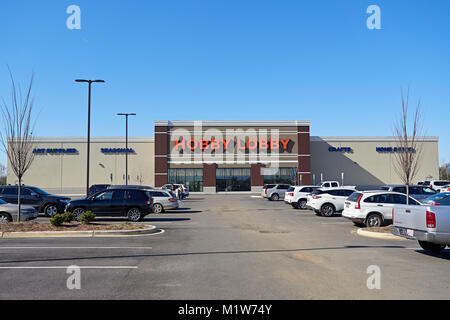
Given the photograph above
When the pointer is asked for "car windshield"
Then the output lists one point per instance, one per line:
(384, 188)
(441, 183)
(38, 191)
(439, 196)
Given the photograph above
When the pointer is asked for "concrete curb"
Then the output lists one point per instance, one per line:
(80, 234)
(377, 235)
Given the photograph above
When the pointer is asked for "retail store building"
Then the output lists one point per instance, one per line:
(219, 156)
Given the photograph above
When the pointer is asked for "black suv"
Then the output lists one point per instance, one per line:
(97, 188)
(42, 201)
(134, 204)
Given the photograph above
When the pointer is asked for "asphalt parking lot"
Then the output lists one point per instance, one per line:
(225, 247)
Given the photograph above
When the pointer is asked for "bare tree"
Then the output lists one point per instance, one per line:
(17, 135)
(409, 144)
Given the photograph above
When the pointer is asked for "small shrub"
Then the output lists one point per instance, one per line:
(87, 217)
(68, 217)
(57, 220)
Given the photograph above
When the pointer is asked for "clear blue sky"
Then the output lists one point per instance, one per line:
(231, 60)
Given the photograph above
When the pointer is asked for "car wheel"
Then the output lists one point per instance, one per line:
(302, 204)
(50, 210)
(275, 197)
(5, 218)
(294, 205)
(134, 215)
(431, 247)
(327, 210)
(77, 213)
(374, 220)
(158, 208)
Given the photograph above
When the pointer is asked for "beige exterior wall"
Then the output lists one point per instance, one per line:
(67, 172)
(364, 165)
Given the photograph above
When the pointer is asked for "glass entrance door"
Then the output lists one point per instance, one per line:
(233, 179)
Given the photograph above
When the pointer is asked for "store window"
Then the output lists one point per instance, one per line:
(191, 178)
(284, 175)
(233, 179)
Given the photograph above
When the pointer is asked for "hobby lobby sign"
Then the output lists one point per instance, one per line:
(228, 146)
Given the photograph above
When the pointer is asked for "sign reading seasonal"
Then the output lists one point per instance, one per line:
(117, 150)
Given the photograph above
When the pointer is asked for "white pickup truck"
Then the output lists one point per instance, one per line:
(430, 225)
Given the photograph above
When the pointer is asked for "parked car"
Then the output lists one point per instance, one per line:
(439, 199)
(42, 201)
(275, 192)
(438, 185)
(163, 200)
(415, 191)
(328, 201)
(97, 188)
(373, 208)
(297, 196)
(329, 184)
(9, 212)
(132, 203)
(429, 225)
(183, 188)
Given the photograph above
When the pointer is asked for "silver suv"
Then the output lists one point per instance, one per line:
(274, 192)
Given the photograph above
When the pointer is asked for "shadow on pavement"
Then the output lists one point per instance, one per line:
(444, 254)
(198, 253)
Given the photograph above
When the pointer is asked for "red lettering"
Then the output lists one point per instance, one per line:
(263, 145)
(225, 143)
(274, 144)
(193, 147)
(284, 143)
(205, 144)
(239, 145)
(252, 146)
(180, 144)
(215, 144)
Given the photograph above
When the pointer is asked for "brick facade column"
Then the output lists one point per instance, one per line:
(161, 155)
(256, 178)
(209, 178)
(304, 155)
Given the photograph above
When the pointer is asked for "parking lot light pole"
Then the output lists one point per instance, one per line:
(126, 143)
(89, 128)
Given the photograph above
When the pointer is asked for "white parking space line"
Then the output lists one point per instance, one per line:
(66, 267)
(255, 196)
(100, 248)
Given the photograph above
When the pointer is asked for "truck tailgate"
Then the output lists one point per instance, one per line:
(410, 217)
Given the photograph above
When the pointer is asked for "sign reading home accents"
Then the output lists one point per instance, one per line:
(116, 150)
(394, 149)
(55, 151)
(340, 149)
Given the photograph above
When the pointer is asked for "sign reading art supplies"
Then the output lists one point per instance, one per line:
(55, 151)
(225, 144)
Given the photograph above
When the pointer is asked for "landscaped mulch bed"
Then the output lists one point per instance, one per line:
(385, 229)
(73, 226)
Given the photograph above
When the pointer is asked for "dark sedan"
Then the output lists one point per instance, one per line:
(33, 196)
(134, 204)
